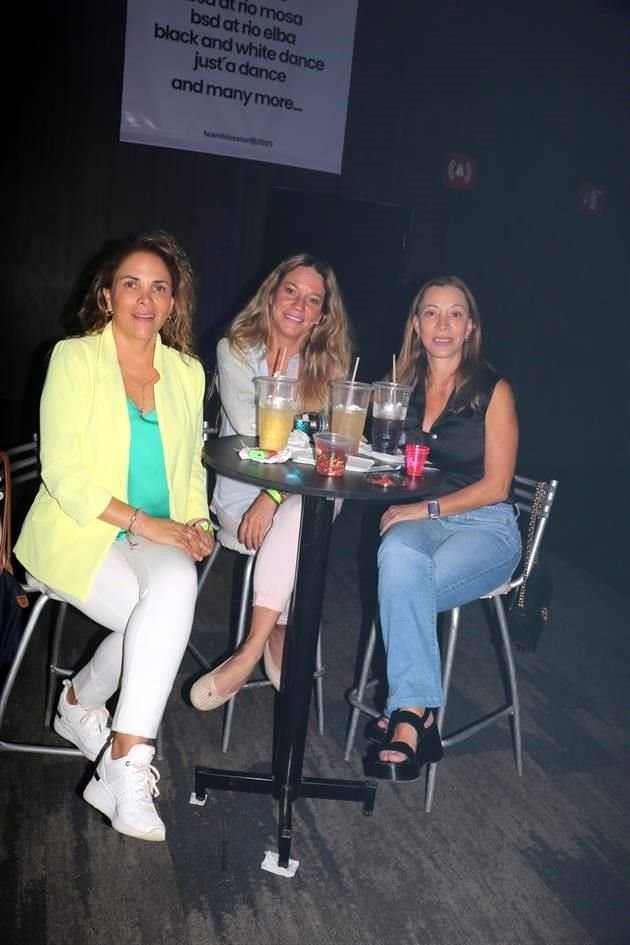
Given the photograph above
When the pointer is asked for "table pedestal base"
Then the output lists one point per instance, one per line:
(335, 789)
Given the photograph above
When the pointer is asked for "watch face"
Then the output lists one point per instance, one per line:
(433, 509)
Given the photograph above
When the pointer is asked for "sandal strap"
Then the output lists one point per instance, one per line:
(410, 718)
(402, 748)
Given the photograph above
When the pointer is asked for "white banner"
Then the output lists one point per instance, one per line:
(267, 81)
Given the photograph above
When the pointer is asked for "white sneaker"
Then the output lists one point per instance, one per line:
(123, 789)
(88, 729)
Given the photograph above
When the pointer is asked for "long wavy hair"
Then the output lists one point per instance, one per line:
(327, 350)
(412, 366)
(177, 329)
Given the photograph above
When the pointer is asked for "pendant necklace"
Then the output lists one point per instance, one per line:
(151, 381)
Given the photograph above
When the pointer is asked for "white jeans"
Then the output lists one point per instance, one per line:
(146, 595)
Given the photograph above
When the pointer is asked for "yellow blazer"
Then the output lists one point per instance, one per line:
(85, 439)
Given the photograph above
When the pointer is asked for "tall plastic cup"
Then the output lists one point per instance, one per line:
(349, 402)
(389, 409)
(276, 407)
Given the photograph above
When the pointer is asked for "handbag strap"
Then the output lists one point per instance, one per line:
(538, 503)
(6, 543)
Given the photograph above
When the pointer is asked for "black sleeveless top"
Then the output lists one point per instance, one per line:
(457, 440)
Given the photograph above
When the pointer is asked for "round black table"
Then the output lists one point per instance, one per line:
(286, 782)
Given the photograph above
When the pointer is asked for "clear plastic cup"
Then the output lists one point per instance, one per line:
(331, 453)
(389, 409)
(415, 458)
(349, 402)
(276, 406)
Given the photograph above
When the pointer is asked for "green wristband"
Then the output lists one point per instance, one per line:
(275, 495)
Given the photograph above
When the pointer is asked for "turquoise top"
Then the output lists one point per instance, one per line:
(147, 487)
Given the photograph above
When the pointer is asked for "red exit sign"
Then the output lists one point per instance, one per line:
(460, 171)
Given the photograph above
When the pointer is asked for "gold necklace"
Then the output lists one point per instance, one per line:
(151, 381)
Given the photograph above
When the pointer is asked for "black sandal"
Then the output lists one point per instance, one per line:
(428, 750)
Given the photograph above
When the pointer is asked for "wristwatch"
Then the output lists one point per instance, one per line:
(433, 508)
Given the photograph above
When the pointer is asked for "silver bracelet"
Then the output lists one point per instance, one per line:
(130, 532)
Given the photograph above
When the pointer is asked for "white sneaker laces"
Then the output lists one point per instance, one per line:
(95, 718)
(145, 783)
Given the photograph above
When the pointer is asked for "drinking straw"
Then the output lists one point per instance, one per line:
(277, 367)
(352, 380)
(394, 368)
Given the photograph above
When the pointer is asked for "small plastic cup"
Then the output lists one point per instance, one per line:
(331, 453)
(415, 458)
(277, 403)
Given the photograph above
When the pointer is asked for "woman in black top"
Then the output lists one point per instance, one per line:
(435, 555)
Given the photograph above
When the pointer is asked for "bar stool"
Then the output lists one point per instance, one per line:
(535, 500)
(225, 540)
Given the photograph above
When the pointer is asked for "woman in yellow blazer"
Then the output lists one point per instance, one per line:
(122, 512)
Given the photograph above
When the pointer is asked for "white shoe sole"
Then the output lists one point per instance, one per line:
(99, 797)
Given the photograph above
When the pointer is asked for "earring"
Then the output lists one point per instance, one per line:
(109, 312)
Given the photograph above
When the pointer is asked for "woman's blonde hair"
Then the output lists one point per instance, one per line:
(412, 366)
(177, 329)
(327, 350)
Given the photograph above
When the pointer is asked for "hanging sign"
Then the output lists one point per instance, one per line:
(265, 81)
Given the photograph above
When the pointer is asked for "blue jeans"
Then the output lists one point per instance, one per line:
(429, 566)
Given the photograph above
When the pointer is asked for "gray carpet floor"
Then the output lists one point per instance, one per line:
(501, 860)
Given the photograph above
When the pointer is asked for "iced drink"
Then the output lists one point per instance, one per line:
(276, 401)
(349, 405)
(389, 410)
(274, 426)
(386, 432)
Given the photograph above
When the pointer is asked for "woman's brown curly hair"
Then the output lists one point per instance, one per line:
(177, 329)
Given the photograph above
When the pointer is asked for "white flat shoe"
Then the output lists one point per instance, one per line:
(203, 694)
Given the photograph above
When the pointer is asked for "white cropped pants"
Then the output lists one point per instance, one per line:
(146, 596)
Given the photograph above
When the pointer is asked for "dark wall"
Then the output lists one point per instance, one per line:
(539, 93)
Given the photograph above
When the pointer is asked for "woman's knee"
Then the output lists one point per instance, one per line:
(170, 571)
(399, 550)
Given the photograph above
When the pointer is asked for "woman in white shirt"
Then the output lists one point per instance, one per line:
(297, 311)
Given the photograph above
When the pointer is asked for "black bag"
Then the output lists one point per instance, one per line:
(527, 619)
(528, 610)
(13, 600)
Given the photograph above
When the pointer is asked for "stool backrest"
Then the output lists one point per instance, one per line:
(23, 467)
(24, 461)
(534, 498)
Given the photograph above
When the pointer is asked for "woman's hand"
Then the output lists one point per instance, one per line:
(402, 513)
(164, 531)
(256, 522)
(203, 528)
